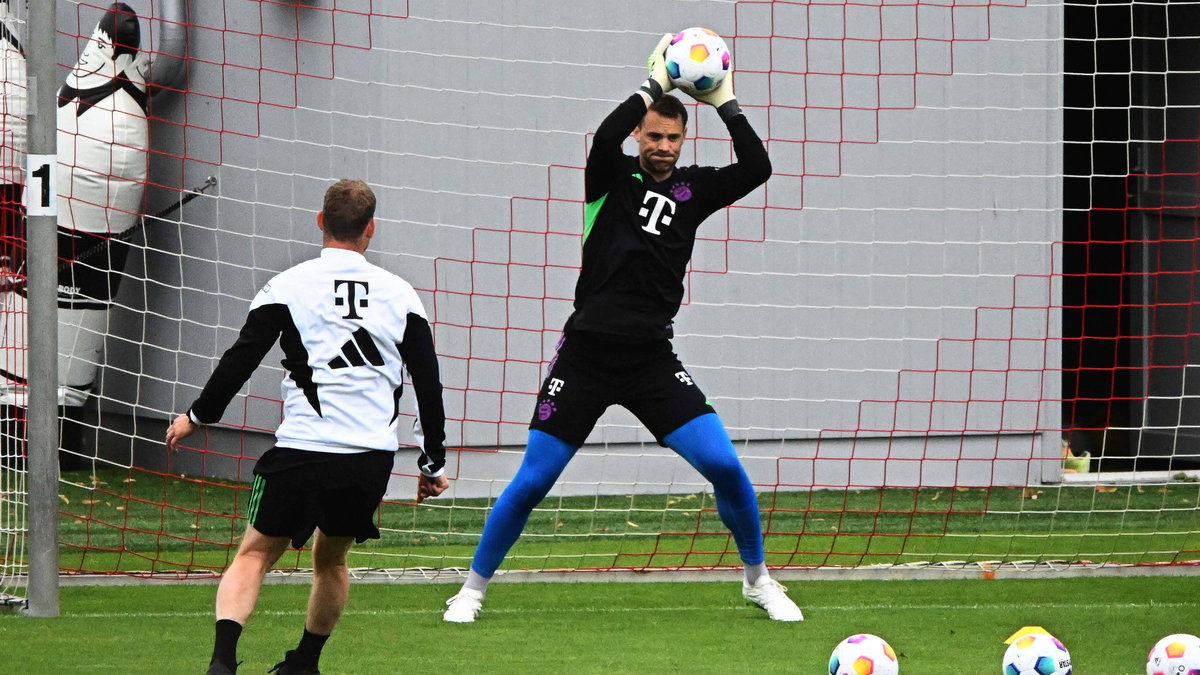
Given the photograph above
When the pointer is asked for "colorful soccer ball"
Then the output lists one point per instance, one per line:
(863, 654)
(1036, 654)
(1177, 654)
(697, 60)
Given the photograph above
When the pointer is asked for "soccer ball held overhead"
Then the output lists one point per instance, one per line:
(697, 60)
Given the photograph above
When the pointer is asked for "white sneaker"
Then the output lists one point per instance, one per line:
(771, 596)
(464, 607)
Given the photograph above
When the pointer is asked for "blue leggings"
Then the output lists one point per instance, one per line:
(703, 442)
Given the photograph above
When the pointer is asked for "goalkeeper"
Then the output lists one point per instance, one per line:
(348, 330)
(641, 217)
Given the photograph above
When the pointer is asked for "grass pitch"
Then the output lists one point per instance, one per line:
(937, 627)
(130, 520)
(126, 520)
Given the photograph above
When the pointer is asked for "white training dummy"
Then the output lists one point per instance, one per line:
(102, 158)
(103, 151)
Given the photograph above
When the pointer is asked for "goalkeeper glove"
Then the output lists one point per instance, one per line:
(659, 82)
(722, 99)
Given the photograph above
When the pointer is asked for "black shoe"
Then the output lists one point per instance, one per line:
(218, 668)
(288, 666)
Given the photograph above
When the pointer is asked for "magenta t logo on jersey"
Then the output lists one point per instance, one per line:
(545, 409)
(681, 191)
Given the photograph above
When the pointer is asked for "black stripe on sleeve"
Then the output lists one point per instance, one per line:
(420, 360)
(263, 326)
(295, 358)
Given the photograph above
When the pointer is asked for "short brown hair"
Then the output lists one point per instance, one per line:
(349, 206)
(670, 107)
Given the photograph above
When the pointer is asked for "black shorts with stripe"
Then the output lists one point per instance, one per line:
(297, 491)
(592, 372)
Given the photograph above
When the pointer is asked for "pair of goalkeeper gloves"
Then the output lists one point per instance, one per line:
(659, 83)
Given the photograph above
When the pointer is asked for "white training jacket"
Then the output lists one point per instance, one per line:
(349, 330)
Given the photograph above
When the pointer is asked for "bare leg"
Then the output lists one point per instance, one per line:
(331, 583)
(242, 581)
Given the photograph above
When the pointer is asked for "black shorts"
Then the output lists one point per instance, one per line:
(590, 373)
(297, 491)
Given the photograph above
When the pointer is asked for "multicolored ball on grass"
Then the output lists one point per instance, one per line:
(863, 654)
(1177, 654)
(697, 60)
(1037, 654)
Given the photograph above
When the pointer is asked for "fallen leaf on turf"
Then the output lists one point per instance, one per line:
(130, 480)
(631, 523)
(1105, 488)
(64, 499)
(89, 501)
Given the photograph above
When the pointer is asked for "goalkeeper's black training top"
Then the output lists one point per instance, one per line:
(638, 233)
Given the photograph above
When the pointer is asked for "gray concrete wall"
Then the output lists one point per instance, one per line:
(891, 284)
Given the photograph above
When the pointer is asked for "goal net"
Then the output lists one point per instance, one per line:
(12, 166)
(905, 330)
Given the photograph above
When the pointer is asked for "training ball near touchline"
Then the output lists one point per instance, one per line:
(1177, 654)
(863, 654)
(1036, 654)
(697, 60)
